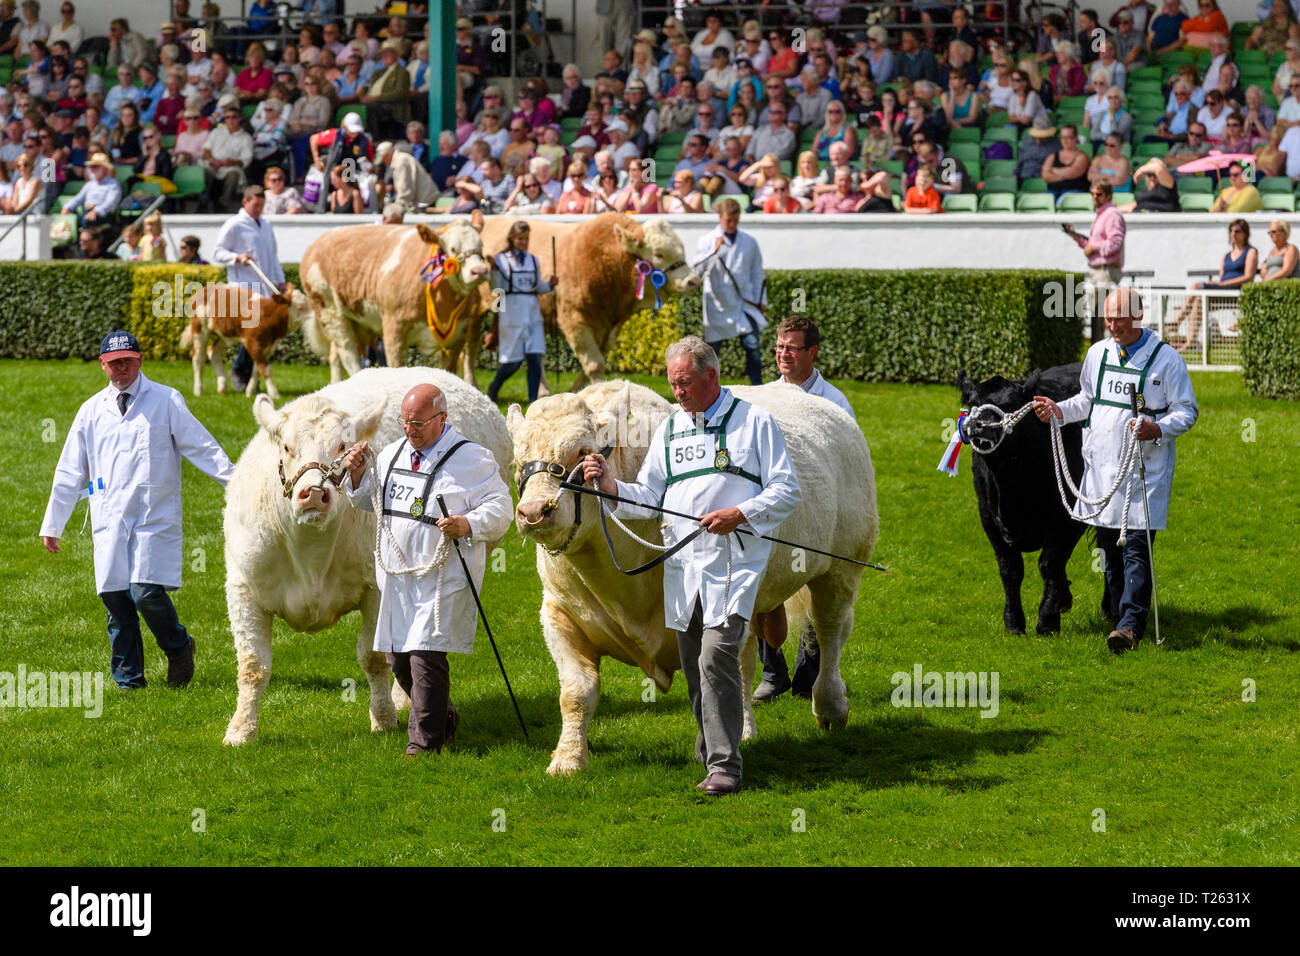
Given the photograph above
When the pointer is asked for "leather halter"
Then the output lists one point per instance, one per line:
(333, 473)
(556, 470)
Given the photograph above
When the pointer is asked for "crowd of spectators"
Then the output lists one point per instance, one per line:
(787, 116)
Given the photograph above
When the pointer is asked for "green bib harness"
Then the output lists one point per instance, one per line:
(1117, 397)
(695, 457)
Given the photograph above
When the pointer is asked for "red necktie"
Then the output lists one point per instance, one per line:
(415, 459)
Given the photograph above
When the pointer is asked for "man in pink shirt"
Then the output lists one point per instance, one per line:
(1104, 247)
(844, 199)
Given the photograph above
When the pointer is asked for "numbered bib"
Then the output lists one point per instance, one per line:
(405, 493)
(1117, 384)
(690, 451)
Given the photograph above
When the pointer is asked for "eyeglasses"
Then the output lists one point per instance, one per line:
(780, 349)
(1191, 133)
(407, 423)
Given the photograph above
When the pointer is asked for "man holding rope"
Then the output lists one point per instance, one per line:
(724, 459)
(428, 610)
(1130, 368)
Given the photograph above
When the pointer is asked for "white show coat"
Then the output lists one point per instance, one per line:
(731, 306)
(816, 384)
(520, 331)
(1160, 376)
(681, 472)
(434, 611)
(135, 517)
(242, 233)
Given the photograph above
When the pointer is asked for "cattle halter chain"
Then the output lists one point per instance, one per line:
(1128, 460)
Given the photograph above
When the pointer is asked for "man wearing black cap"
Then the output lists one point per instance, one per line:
(124, 452)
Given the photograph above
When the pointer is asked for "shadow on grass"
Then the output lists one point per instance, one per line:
(884, 752)
(1189, 629)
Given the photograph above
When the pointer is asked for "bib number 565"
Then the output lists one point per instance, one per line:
(685, 453)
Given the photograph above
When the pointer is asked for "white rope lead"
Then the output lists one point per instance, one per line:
(440, 553)
(1127, 471)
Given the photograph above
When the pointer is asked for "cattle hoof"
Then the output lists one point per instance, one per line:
(1049, 627)
(832, 723)
(385, 720)
(238, 735)
(221, 386)
(566, 764)
(399, 698)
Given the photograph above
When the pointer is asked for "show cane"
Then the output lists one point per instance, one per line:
(442, 506)
(1146, 513)
(262, 275)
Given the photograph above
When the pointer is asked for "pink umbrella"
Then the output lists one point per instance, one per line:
(1215, 160)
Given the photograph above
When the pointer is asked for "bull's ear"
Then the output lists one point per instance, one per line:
(514, 421)
(265, 415)
(965, 385)
(368, 422)
(476, 220)
(630, 242)
(427, 234)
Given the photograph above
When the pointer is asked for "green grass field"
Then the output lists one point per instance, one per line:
(1185, 771)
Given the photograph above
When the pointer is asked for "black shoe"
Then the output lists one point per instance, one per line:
(180, 669)
(1121, 641)
(770, 691)
(237, 383)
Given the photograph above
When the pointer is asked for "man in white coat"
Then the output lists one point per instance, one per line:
(1130, 361)
(735, 293)
(724, 459)
(797, 342)
(424, 615)
(247, 238)
(124, 451)
(517, 281)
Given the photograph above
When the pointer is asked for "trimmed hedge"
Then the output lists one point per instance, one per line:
(1270, 338)
(915, 326)
(60, 309)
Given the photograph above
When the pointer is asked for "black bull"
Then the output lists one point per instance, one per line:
(1020, 506)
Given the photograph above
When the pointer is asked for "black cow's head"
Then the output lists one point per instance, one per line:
(983, 429)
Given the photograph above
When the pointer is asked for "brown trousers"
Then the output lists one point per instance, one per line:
(426, 678)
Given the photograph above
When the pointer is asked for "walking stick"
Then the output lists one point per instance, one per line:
(1146, 513)
(442, 506)
(555, 347)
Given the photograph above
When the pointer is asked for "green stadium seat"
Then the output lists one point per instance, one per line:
(169, 141)
(1145, 73)
(1034, 185)
(123, 173)
(573, 123)
(72, 187)
(1154, 101)
(1277, 202)
(343, 111)
(995, 119)
(5, 74)
(1085, 145)
(666, 139)
(1074, 202)
(248, 110)
(965, 202)
(707, 203)
(999, 184)
(896, 185)
(567, 136)
(444, 202)
(1171, 61)
(898, 202)
(969, 153)
(1123, 198)
(1252, 58)
(1274, 184)
(189, 182)
(1002, 134)
(1072, 104)
(1035, 202)
(1145, 151)
(787, 167)
(999, 167)
(893, 166)
(1196, 202)
(997, 202)
(1195, 184)
(964, 134)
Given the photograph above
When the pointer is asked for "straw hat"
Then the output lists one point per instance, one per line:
(1042, 128)
(100, 159)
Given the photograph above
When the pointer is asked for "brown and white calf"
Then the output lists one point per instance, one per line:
(225, 314)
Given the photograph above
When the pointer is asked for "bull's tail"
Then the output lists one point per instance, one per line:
(315, 338)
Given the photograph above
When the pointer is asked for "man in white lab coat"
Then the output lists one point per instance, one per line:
(797, 342)
(735, 293)
(1130, 361)
(124, 451)
(247, 238)
(726, 460)
(425, 616)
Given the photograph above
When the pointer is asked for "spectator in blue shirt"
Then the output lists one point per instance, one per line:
(914, 61)
(151, 91)
(100, 195)
(1165, 33)
(125, 90)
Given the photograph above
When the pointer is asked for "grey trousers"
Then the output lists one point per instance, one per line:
(711, 666)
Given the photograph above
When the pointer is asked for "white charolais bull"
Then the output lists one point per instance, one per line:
(590, 610)
(295, 546)
(363, 283)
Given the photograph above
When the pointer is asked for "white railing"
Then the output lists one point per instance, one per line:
(1202, 323)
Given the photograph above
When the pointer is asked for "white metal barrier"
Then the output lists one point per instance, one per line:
(1203, 324)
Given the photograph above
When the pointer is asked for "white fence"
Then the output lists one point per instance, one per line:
(1201, 323)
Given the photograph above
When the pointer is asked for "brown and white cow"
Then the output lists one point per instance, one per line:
(596, 292)
(228, 314)
(363, 282)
